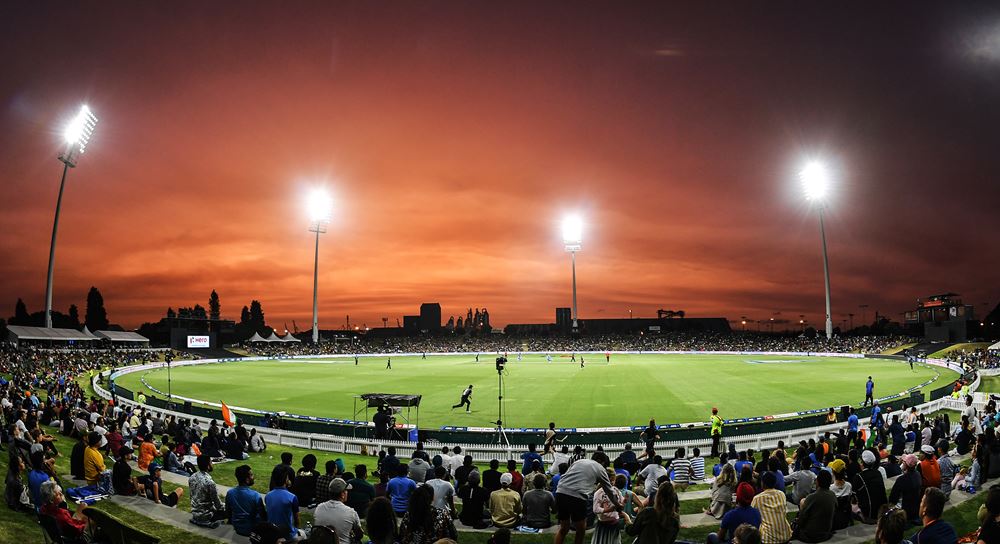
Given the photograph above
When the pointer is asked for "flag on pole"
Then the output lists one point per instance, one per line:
(227, 415)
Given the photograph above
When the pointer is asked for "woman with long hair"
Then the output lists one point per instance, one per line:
(722, 493)
(380, 523)
(423, 523)
(661, 523)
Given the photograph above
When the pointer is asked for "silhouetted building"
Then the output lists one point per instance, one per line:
(411, 323)
(564, 319)
(430, 316)
(944, 318)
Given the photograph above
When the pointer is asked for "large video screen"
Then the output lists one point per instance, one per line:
(198, 342)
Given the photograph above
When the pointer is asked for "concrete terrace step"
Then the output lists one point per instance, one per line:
(177, 518)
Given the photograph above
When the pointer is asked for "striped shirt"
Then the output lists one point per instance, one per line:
(682, 470)
(698, 468)
(774, 527)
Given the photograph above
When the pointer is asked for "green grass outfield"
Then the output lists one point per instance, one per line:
(628, 391)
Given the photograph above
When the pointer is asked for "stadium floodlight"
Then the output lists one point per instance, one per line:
(816, 183)
(320, 209)
(572, 233)
(77, 135)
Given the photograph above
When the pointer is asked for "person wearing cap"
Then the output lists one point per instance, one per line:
(121, 473)
(154, 488)
(335, 513)
(907, 487)
(206, 507)
(505, 503)
(869, 485)
(930, 471)
(244, 505)
(743, 513)
(716, 432)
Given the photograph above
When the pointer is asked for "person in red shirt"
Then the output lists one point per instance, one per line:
(70, 525)
(517, 483)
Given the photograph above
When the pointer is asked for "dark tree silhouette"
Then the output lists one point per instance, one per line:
(21, 316)
(74, 316)
(245, 316)
(214, 309)
(97, 317)
(171, 313)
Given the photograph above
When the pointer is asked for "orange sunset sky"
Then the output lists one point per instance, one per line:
(455, 135)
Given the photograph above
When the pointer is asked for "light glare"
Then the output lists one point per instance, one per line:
(319, 206)
(815, 181)
(572, 229)
(81, 128)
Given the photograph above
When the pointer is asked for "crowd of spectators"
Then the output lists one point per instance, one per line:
(977, 359)
(897, 474)
(498, 343)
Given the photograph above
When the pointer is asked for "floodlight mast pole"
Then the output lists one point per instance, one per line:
(77, 136)
(826, 274)
(573, 258)
(319, 227)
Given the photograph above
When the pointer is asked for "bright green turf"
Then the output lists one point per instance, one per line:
(633, 388)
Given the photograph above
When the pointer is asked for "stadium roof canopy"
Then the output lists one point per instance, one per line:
(995, 347)
(20, 332)
(273, 338)
(289, 338)
(257, 338)
(122, 336)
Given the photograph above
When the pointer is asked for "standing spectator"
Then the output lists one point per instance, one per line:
(716, 432)
(935, 530)
(206, 508)
(336, 514)
(380, 523)
(907, 489)
(400, 489)
(774, 528)
(539, 504)
(743, 514)
(659, 524)
(282, 505)
(815, 520)
(572, 497)
(505, 503)
(360, 494)
(474, 499)
(244, 505)
(423, 523)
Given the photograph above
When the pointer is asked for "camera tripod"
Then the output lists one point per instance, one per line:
(501, 433)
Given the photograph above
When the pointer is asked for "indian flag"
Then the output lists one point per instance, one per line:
(227, 415)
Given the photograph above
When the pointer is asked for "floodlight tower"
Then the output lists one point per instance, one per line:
(77, 134)
(816, 182)
(319, 207)
(572, 233)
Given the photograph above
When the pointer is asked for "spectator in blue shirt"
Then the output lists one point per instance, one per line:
(530, 457)
(244, 505)
(282, 505)
(876, 421)
(743, 513)
(869, 391)
(852, 426)
(742, 462)
(37, 477)
(400, 489)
